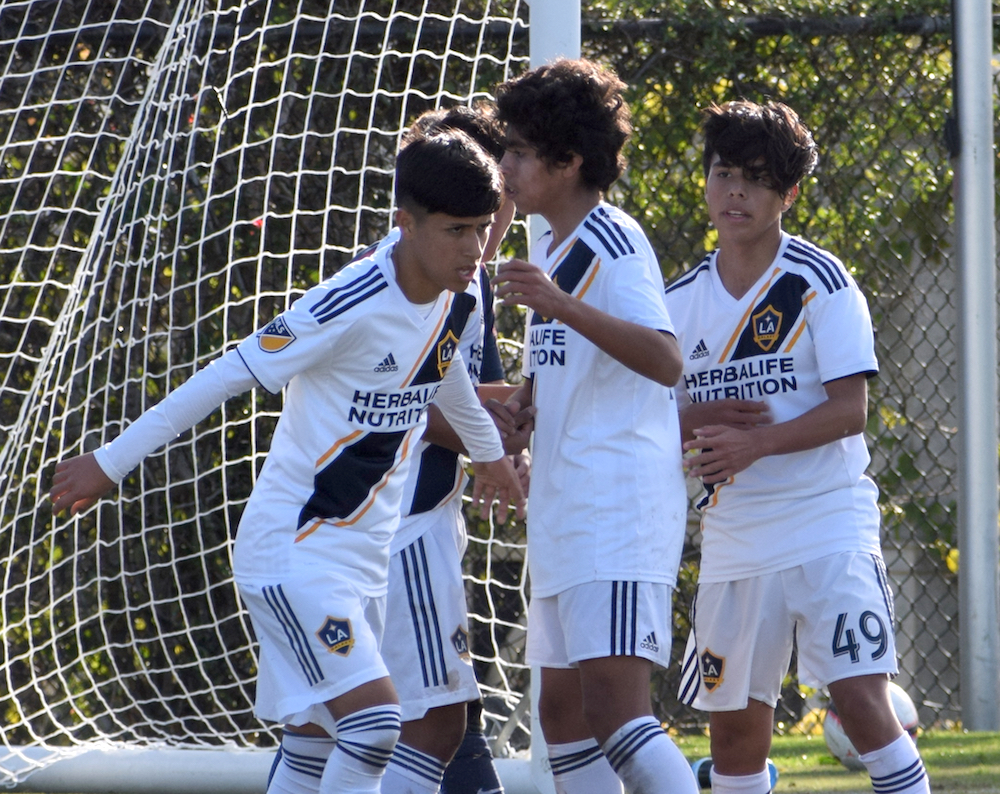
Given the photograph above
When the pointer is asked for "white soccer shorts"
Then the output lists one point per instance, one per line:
(837, 610)
(596, 620)
(427, 624)
(319, 639)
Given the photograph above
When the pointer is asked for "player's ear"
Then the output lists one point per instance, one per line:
(572, 166)
(405, 220)
(790, 197)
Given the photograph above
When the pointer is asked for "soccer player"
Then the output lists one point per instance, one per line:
(777, 345)
(608, 503)
(426, 612)
(360, 357)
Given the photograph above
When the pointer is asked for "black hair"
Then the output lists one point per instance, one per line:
(571, 107)
(478, 122)
(764, 140)
(447, 172)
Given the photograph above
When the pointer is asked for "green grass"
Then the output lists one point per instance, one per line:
(956, 762)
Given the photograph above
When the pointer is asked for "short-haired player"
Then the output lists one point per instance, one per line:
(777, 345)
(359, 357)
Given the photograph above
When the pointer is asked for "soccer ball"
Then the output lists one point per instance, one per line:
(840, 746)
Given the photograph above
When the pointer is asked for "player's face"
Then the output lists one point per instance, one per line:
(532, 183)
(743, 207)
(439, 252)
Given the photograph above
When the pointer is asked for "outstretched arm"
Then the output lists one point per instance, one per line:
(647, 351)
(78, 484)
(80, 481)
(725, 451)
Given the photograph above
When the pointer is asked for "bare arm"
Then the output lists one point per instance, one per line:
(651, 353)
(725, 451)
(741, 414)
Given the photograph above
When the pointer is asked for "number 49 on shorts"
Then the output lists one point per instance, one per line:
(872, 629)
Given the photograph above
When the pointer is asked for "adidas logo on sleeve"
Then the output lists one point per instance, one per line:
(388, 364)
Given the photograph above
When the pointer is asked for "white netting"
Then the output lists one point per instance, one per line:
(172, 173)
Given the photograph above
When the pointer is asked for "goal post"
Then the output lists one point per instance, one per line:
(172, 175)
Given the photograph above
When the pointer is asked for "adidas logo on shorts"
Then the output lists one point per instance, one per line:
(388, 364)
(700, 350)
(650, 643)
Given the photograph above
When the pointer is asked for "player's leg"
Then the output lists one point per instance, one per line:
(578, 764)
(886, 750)
(367, 729)
(428, 658)
(472, 770)
(425, 747)
(323, 675)
(615, 632)
(847, 643)
(618, 709)
(739, 652)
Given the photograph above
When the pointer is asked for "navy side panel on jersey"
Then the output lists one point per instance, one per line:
(436, 478)
(343, 486)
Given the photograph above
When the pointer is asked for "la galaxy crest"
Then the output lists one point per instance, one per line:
(766, 327)
(275, 336)
(446, 352)
(712, 669)
(460, 639)
(336, 635)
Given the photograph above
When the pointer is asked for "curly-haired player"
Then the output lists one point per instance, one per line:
(608, 503)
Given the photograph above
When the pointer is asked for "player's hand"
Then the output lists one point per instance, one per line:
(723, 452)
(738, 414)
(522, 465)
(521, 283)
(497, 481)
(78, 484)
(514, 423)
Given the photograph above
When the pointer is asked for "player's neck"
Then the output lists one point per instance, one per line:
(566, 215)
(742, 263)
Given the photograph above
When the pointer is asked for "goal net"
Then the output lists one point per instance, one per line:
(173, 173)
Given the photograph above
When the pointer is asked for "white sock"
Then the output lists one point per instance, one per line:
(647, 761)
(897, 768)
(759, 783)
(299, 764)
(581, 768)
(365, 740)
(412, 772)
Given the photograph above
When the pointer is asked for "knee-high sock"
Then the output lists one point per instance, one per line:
(581, 768)
(897, 768)
(472, 770)
(647, 760)
(365, 741)
(299, 764)
(759, 783)
(412, 772)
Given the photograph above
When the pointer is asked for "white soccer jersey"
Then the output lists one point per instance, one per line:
(803, 324)
(361, 364)
(607, 496)
(437, 476)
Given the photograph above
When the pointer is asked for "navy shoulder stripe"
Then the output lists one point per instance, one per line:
(612, 236)
(686, 278)
(825, 267)
(340, 299)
